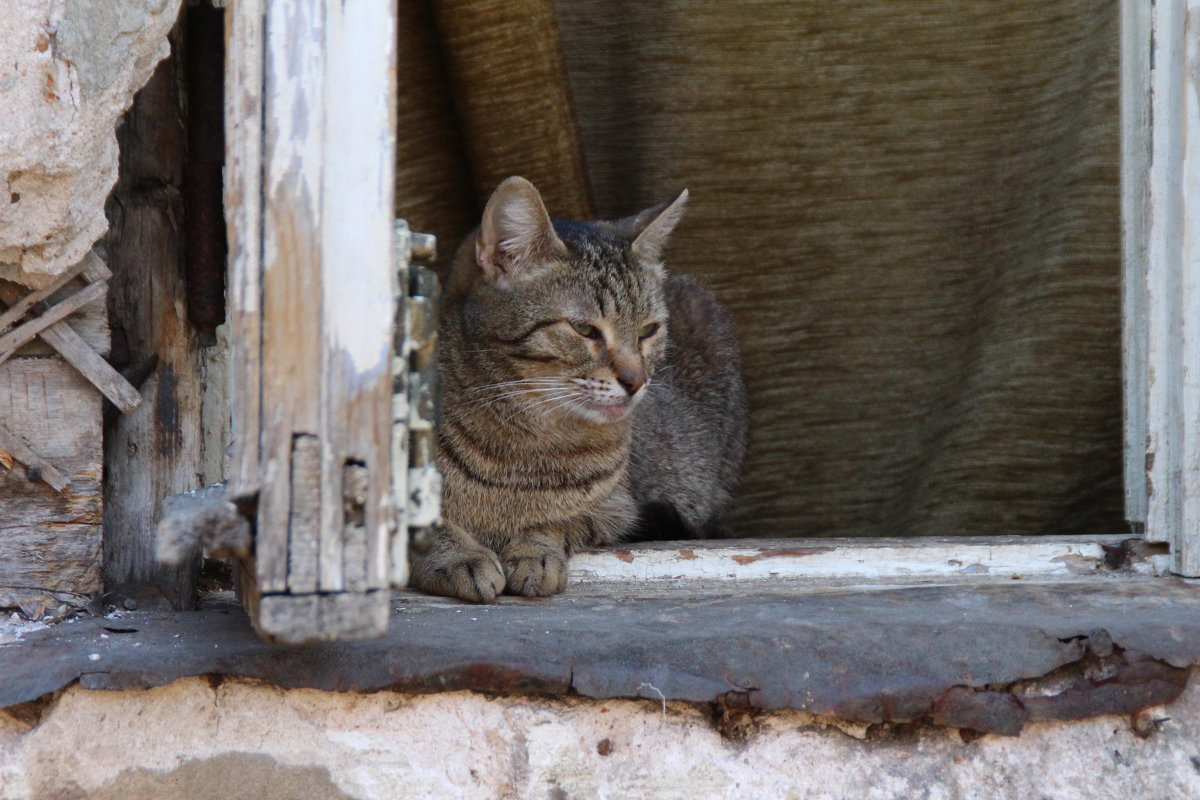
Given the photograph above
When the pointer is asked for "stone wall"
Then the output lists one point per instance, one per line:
(201, 740)
(68, 69)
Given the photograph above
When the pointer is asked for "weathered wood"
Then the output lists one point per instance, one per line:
(357, 218)
(337, 616)
(37, 468)
(21, 307)
(356, 490)
(304, 517)
(1135, 208)
(81, 350)
(155, 450)
(323, 92)
(1173, 289)
(50, 542)
(243, 216)
(292, 289)
(864, 561)
(14, 339)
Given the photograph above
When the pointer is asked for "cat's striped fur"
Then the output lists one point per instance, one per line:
(567, 404)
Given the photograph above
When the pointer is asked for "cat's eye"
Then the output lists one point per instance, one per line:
(648, 330)
(585, 330)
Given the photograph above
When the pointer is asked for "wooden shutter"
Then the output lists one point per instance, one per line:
(309, 177)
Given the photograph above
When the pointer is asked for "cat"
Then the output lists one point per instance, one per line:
(587, 398)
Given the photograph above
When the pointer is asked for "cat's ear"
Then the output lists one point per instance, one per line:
(515, 236)
(651, 228)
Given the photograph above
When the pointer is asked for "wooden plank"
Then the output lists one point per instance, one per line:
(80, 350)
(291, 276)
(1135, 209)
(1187, 553)
(243, 216)
(860, 560)
(304, 518)
(14, 339)
(310, 112)
(155, 450)
(72, 347)
(21, 307)
(1173, 290)
(50, 542)
(357, 221)
(342, 616)
(37, 467)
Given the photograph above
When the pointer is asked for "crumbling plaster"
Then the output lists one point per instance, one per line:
(68, 69)
(198, 739)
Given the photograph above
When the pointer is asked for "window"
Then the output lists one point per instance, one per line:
(310, 208)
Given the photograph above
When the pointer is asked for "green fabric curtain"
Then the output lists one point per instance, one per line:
(911, 208)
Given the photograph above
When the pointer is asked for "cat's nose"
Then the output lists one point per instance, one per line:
(631, 380)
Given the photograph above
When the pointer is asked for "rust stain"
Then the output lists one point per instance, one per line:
(42, 44)
(782, 551)
(687, 555)
(624, 555)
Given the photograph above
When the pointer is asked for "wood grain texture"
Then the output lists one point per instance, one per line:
(18, 336)
(36, 467)
(82, 340)
(358, 287)
(1173, 287)
(294, 114)
(313, 315)
(21, 307)
(50, 541)
(1136, 28)
(243, 215)
(155, 450)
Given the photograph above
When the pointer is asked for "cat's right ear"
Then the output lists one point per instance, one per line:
(515, 236)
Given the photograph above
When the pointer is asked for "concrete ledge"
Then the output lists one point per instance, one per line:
(987, 657)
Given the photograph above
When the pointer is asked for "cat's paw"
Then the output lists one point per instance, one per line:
(534, 568)
(471, 574)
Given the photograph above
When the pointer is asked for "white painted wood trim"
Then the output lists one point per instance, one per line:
(859, 560)
(1173, 287)
(1135, 210)
(310, 166)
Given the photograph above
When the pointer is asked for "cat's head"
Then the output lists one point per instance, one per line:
(574, 311)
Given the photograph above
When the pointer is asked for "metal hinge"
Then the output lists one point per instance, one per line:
(416, 482)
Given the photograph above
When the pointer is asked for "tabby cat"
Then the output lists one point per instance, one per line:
(587, 398)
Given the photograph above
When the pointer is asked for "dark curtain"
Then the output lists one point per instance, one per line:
(911, 208)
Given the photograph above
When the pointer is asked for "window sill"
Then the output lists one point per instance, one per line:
(980, 654)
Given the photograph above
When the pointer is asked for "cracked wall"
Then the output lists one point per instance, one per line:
(68, 69)
(201, 739)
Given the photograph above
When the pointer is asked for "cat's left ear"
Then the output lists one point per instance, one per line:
(516, 237)
(651, 228)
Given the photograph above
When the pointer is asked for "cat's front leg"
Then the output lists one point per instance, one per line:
(535, 564)
(458, 566)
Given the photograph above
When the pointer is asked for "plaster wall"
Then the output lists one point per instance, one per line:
(68, 69)
(196, 739)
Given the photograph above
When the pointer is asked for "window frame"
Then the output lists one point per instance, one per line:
(1160, 163)
(1160, 170)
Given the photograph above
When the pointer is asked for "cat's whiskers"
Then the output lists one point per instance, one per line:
(503, 384)
(486, 402)
(526, 406)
